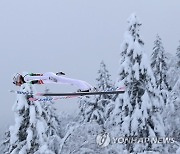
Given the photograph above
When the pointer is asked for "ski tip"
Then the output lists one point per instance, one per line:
(121, 89)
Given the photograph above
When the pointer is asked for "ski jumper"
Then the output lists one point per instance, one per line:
(51, 77)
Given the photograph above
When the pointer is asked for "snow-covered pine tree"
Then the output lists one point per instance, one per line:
(159, 64)
(172, 114)
(159, 67)
(94, 108)
(104, 83)
(91, 110)
(172, 110)
(178, 56)
(53, 129)
(137, 111)
(28, 135)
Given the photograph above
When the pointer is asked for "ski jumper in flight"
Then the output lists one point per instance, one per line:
(50, 77)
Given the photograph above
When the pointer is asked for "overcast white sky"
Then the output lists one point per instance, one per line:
(74, 36)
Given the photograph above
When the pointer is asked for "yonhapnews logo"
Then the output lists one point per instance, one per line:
(103, 139)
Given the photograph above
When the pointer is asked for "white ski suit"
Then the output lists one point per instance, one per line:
(51, 77)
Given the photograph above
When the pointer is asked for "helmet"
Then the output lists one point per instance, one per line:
(16, 78)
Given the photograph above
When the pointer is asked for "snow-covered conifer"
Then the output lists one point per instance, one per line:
(94, 108)
(53, 129)
(160, 69)
(172, 114)
(104, 83)
(91, 110)
(159, 64)
(137, 111)
(28, 135)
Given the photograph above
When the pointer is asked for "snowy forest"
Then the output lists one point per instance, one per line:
(146, 115)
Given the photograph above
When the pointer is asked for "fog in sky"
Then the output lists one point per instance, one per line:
(74, 36)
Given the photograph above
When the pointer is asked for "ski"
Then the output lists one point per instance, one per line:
(57, 96)
(47, 99)
(22, 92)
(81, 93)
(110, 91)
